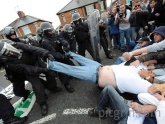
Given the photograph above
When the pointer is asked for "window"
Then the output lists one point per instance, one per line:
(26, 30)
(89, 9)
(36, 25)
(101, 6)
(63, 18)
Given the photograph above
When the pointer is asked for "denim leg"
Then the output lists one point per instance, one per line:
(122, 38)
(114, 40)
(132, 44)
(83, 61)
(109, 97)
(136, 47)
(87, 73)
(119, 60)
(127, 35)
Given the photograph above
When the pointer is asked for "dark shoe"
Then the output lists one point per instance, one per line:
(96, 113)
(55, 89)
(44, 109)
(16, 120)
(110, 56)
(69, 88)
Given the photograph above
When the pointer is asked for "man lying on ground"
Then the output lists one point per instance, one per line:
(123, 78)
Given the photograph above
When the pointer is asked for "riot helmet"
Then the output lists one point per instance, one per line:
(76, 18)
(39, 32)
(68, 30)
(7, 50)
(47, 29)
(8, 32)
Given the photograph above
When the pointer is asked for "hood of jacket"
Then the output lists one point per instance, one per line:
(160, 30)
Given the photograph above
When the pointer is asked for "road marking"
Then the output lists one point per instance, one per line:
(2, 71)
(8, 91)
(76, 111)
(45, 119)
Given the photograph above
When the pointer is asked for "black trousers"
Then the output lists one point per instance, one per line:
(104, 44)
(6, 109)
(86, 45)
(37, 85)
(65, 79)
(18, 82)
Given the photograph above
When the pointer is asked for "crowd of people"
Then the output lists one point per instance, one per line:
(51, 54)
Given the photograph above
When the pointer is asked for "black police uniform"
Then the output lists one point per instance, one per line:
(7, 112)
(104, 42)
(82, 36)
(70, 39)
(26, 67)
(54, 46)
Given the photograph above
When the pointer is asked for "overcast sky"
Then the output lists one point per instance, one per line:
(43, 9)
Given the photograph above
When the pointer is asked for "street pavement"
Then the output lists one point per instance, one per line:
(68, 108)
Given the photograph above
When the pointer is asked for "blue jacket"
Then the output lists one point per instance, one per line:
(114, 29)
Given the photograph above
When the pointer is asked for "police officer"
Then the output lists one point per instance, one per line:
(54, 45)
(81, 32)
(10, 34)
(7, 112)
(103, 39)
(21, 63)
(67, 34)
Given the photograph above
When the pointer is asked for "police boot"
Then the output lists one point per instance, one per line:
(55, 89)
(69, 88)
(15, 120)
(44, 108)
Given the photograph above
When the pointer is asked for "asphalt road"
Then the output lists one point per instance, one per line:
(68, 108)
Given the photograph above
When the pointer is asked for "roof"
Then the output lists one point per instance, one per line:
(24, 21)
(19, 22)
(76, 4)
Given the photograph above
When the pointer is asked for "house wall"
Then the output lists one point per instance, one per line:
(81, 10)
(1, 37)
(32, 28)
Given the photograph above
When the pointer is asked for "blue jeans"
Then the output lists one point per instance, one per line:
(126, 34)
(109, 97)
(135, 33)
(119, 60)
(87, 71)
(115, 38)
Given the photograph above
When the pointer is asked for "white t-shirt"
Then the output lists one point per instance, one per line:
(128, 79)
(125, 25)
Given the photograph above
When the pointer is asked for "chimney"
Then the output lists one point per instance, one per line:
(21, 14)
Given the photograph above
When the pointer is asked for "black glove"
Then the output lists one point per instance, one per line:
(50, 57)
(66, 48)
(43, 70)
(66, 56)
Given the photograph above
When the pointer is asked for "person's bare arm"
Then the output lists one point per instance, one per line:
(142, 109)
(128, 55)
(157, 88)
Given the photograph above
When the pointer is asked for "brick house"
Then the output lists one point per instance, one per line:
(83, 7)
(24, 25)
